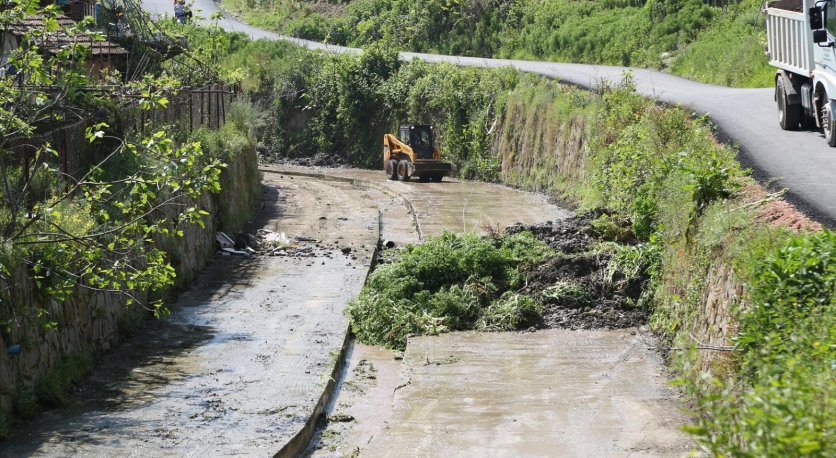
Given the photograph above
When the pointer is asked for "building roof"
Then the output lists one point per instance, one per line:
(58, 39)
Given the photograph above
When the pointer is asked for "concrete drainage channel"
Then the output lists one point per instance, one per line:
(302, 440)
(245, 364)
(553, 392)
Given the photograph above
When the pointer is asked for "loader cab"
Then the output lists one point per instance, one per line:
(419, 138)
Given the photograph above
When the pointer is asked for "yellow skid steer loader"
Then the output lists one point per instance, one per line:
(413, 154)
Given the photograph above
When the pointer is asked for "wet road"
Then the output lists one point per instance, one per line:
(246, 355)
(452, 205)
(546, 393)
(550, 393)
(800, 161)
(242, 362)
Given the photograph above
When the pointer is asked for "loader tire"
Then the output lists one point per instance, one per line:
(789, 116)
(403, 170)
(436, 178)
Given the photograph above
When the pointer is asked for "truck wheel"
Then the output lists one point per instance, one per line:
(403, 170)
(392, 169)
(828, 124)
(788, 115)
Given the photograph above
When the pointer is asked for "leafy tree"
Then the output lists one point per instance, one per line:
(95, 230)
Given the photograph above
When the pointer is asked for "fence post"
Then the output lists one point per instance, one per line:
(191, 113)
(223, 104)
(200, 123)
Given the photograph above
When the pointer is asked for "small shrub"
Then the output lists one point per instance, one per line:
(783, 403)
(25, 403)
(67, 372)
(5, 426)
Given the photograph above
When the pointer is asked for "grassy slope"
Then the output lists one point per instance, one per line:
(687, 37)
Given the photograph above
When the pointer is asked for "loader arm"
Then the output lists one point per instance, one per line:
(397, 150)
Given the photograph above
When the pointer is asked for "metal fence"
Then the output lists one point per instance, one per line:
(69, 140)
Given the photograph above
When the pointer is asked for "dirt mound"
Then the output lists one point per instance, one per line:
(582, 287)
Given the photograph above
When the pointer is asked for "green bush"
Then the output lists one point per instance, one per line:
(645, 147)
(25, 403)
(452, 282)
(5, 426)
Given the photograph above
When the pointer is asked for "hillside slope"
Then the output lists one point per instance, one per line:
(710, 41)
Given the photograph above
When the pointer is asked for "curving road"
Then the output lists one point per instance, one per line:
(799, 161)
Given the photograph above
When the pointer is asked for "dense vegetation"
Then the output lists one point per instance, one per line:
(339, 107)
(688, 199)
(717, 42)
(450, 283)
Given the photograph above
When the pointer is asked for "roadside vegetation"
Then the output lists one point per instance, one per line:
(716, 42)
(700, 226)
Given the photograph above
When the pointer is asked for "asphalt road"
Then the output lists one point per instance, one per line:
(799, 161)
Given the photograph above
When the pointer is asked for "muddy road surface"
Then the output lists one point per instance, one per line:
(548, 393)
(554, 392)
(248, 352)
(451, 205)
(239, 366)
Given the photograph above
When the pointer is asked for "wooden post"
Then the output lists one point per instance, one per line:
(191, 112)
(223, 104)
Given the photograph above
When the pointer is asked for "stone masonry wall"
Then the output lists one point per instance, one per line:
(93, 322)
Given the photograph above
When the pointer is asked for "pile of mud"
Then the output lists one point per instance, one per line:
(580, 288)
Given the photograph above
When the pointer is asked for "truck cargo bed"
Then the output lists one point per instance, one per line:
(789, 41)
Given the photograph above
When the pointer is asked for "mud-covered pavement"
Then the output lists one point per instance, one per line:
(555, 392)
(239, 366)
(248, 352)
(548, 393)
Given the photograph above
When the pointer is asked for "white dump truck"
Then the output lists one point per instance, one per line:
(801, 43)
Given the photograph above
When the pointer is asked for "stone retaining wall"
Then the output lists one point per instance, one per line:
(545, 148)
(93, 322)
